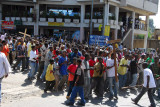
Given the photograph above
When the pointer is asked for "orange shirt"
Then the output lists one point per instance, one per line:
(72, 68)
(5, 50)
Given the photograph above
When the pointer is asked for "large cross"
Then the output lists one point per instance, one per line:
(25, 34)
(113, 42)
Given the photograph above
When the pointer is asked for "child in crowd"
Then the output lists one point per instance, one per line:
(50, 79)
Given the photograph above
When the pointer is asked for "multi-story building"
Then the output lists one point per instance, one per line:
(64, 17)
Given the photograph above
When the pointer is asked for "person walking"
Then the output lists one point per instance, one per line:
(148, 86)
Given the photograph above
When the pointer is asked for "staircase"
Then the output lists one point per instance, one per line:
(127, 40)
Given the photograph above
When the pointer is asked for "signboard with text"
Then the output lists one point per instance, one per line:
(8, 25)
(98, 40)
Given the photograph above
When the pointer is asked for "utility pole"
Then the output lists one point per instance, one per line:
(91, 19)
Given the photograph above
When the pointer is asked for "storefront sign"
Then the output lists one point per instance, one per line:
(107, 31)
(98, 40)
(55, 24)
(8, 25)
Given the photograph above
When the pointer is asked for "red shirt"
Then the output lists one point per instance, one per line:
(82, 57)
(72, 68)
(5, 50)
(54, 52)
(91, 64)
(69, 51)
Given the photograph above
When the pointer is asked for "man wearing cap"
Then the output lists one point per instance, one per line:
(4, 67)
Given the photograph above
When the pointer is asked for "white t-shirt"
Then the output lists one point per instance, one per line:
(148, 72)
(87, 74)
(33, 55)
(111, 71)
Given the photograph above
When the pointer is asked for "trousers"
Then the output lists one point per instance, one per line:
(87, 87)
(77, 90)
(150, 96)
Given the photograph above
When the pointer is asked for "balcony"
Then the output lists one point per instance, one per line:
(148, 5)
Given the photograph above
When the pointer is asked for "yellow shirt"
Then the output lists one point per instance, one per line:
(97, 68)
(49, 74)
(29, 49)
(122, 70)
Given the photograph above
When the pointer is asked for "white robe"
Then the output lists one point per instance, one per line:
(5, 67)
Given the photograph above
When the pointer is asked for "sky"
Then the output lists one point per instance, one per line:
(156, 18)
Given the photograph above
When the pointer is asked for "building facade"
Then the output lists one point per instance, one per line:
(66, 17)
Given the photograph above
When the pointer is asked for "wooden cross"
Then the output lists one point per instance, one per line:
(59, 41)
(113, 42)
(25, 34)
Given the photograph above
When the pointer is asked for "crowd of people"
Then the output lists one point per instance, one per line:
(81, 68)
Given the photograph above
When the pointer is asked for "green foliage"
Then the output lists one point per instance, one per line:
(88, 16)
(151, 25)
(139, 36)
(76, 16)
(67, 16)
(44, 14)
(51, 15)
(60, 15)
(149, 34)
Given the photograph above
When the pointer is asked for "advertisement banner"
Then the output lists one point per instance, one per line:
(98, 40)
(107, 31)
(55, 24)
(8, 25)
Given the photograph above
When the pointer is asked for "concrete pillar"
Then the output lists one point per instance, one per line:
(36, 24)
(106, 16)
(146, 36)
(0, 17)
(117, 17)
(82, 20)
(133, 24)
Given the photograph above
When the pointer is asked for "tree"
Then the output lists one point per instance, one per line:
(151, 25)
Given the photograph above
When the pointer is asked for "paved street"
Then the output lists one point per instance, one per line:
(17, 91)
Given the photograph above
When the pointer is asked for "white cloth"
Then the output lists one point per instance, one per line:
(3, 36)
(111, 71)
(5, 67)
(148, 72)
(86, 67)
(33, 55)
(44, 51)
(140, 63)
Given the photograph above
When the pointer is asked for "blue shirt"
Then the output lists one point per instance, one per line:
(74, 55)
(21, 51)
(63, 68)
